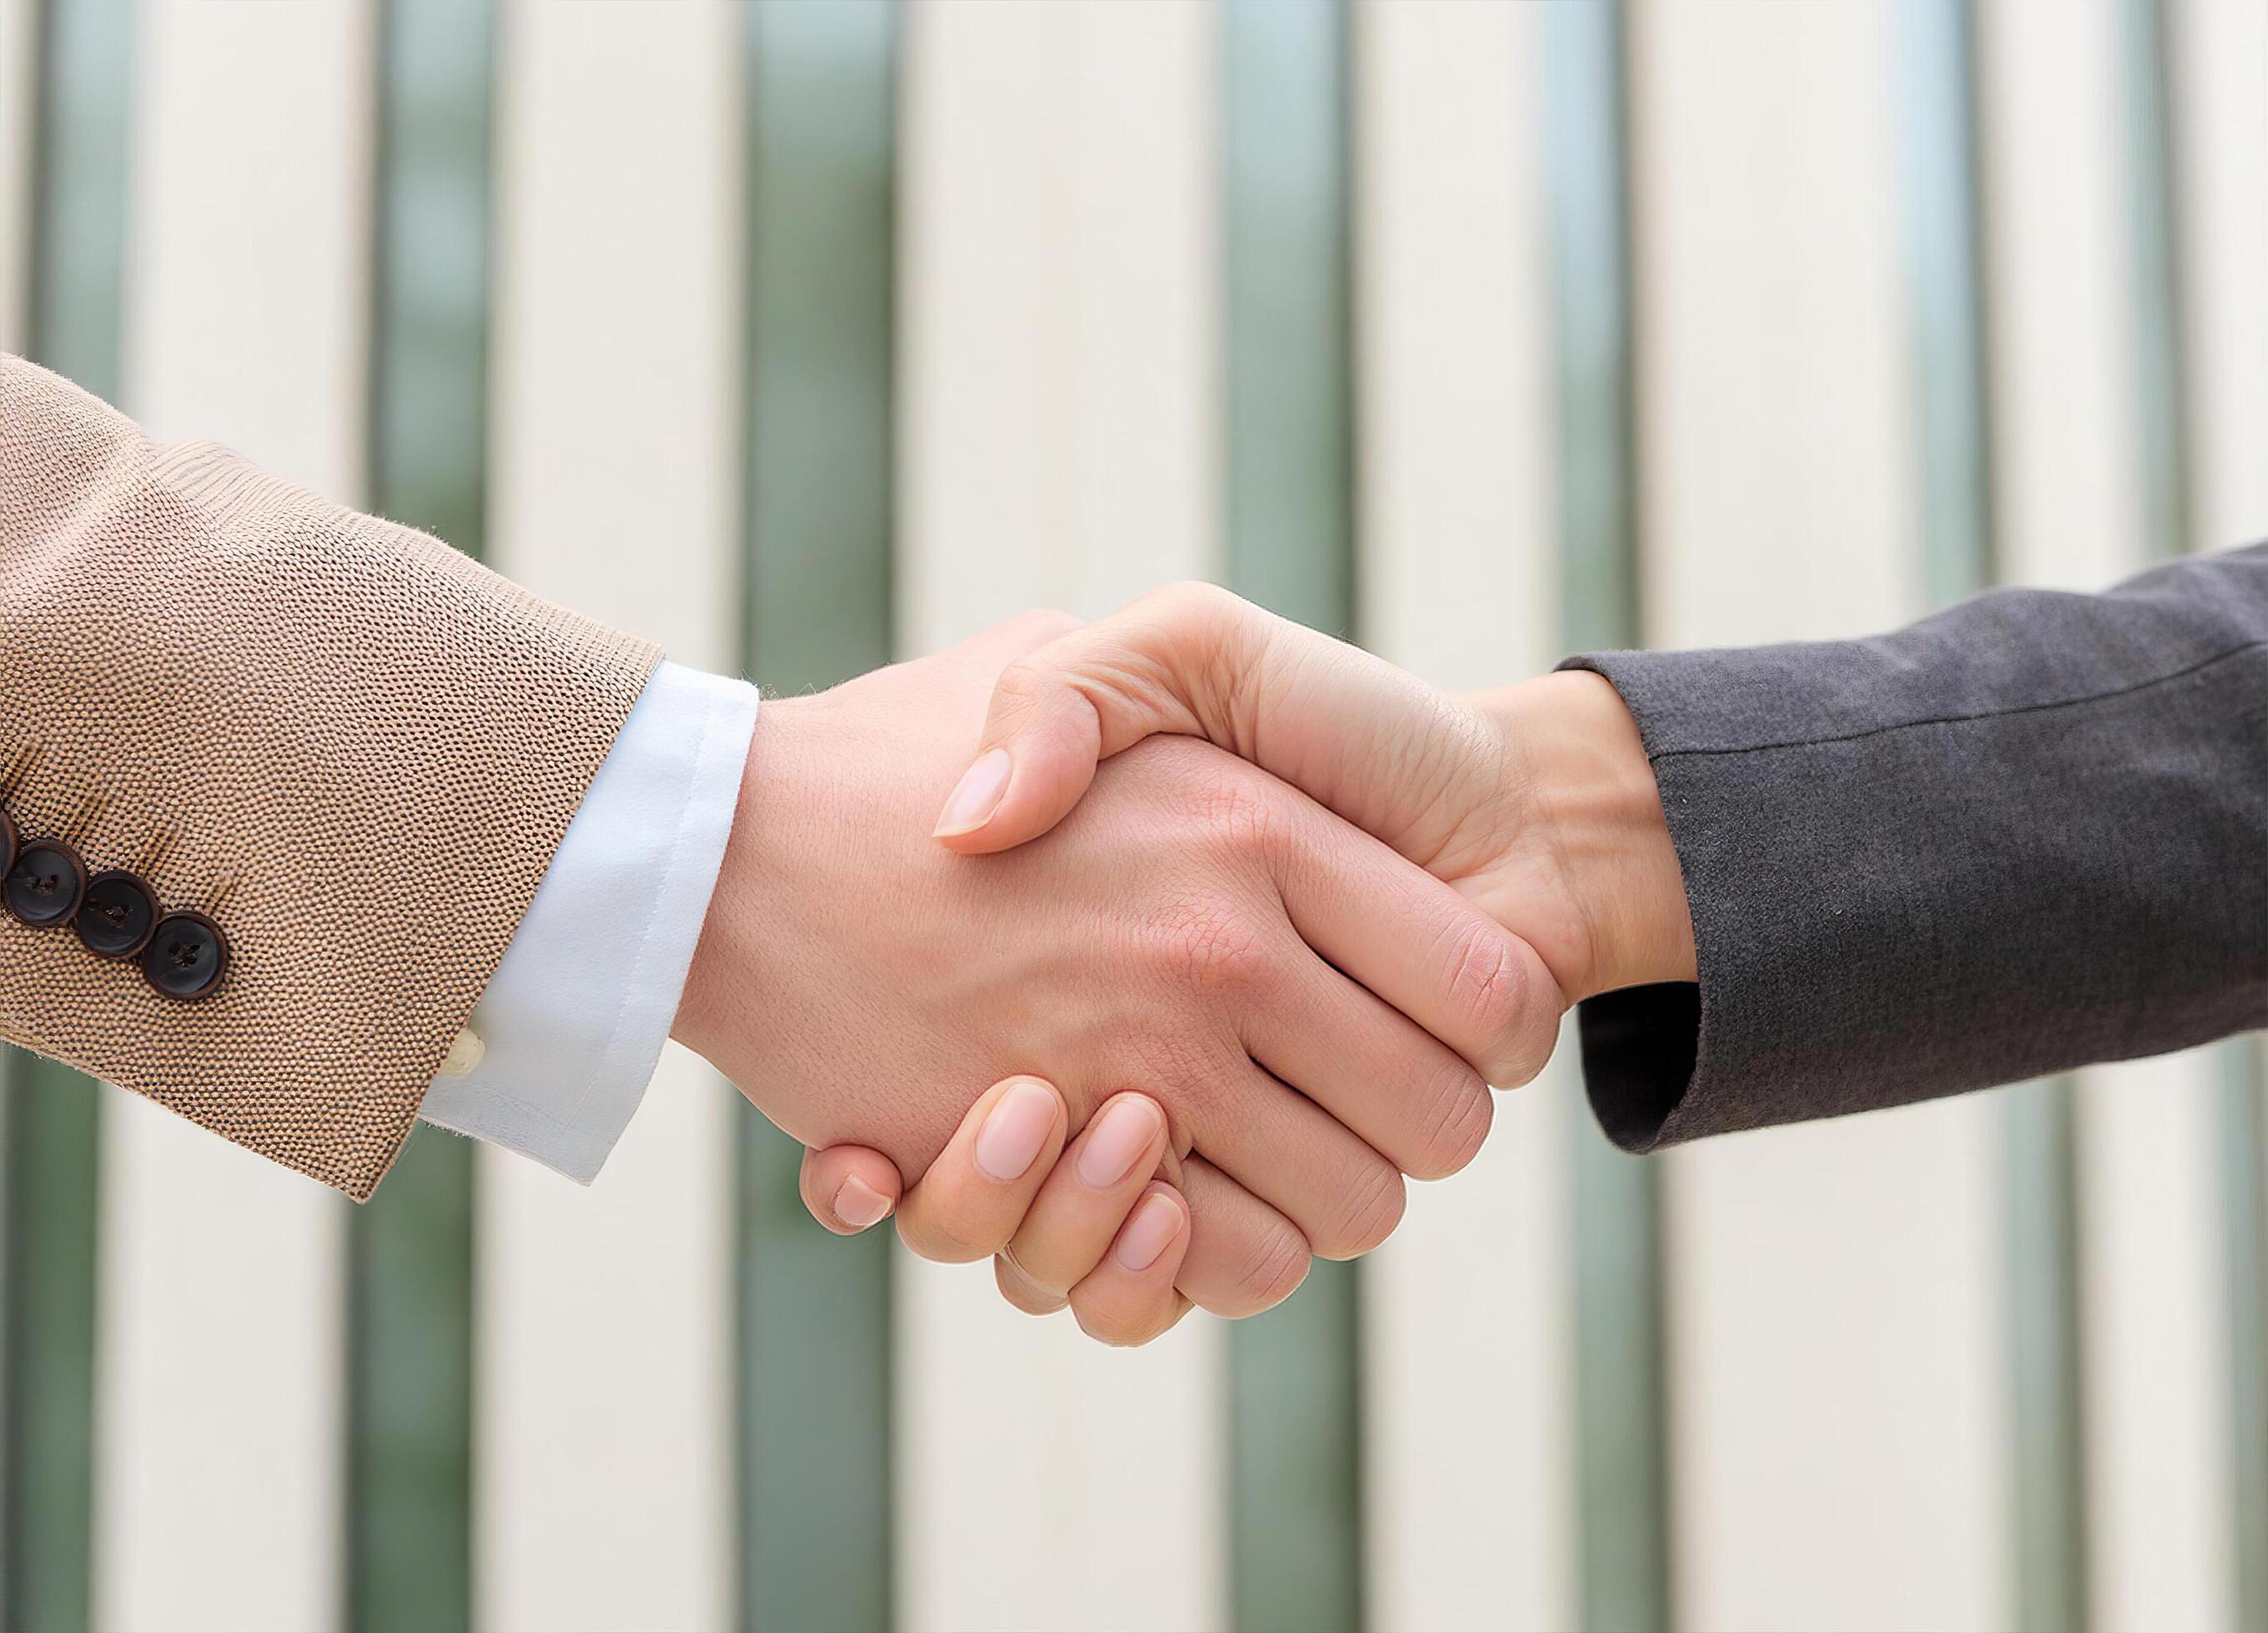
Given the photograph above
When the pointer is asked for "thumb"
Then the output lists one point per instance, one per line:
(848, 1188)
(1176, 661)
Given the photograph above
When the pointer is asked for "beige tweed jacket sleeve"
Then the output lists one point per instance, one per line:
(336, 755)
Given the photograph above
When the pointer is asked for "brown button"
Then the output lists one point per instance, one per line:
(115, 919)
(7, 843)
(186, 956)
(44, 883)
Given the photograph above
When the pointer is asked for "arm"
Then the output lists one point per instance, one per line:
(357, 754)
(1788, 882)
(2029, 834)
(348, 749)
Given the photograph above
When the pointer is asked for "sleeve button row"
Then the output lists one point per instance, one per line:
(44, 883)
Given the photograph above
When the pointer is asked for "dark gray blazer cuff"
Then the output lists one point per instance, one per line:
(2024, 836)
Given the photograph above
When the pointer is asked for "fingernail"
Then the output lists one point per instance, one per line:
(1014, 1129)
(1112, 1148)
(976, 796)
(858, 1204)
(1149, 1233)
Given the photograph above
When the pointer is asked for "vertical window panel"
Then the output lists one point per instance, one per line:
(410, 1525)
(82, 132)
(2085, 492)
(1945, 231)
(1296, 1528)
(19, 104)
(1469, 1450)
(1057, 265)
(605, 1452)
(815, 1311)
(2216, 58)
(1837, 1455)
(19, 148)
(1621, 1423)
(219, 1375)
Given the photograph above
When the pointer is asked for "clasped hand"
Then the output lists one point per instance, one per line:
(1229, 993)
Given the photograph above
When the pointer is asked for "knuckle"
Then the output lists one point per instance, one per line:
(1459, 1111)
(1021, 1291)
(1215, 949)
(1272, 1269)
(946, 1239)
(1488, 987)
(1234, 813)
(1367, 1210)
(1020, 681)
(1121, 1329)
(1189, 601)
(1021, 689)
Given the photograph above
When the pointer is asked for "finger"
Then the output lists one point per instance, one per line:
(1053, 720)
(973, 1195)
(850, 1188)
(1128, 1299)
(1409, 1096)
(1354, 731)
(1243, 1257)
(1083, 1202)
(1344, 1197)
(1418, 945)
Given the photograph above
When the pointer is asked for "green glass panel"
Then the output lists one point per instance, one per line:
(1945, 260)
(53, 1141)
(409, 1544)
(1295, 1375)
(84, 130)
(814, 1312)
(1620, 1402)
(1945, 274)
(2047, 1385)
(2244, 1160)
(2153, 252)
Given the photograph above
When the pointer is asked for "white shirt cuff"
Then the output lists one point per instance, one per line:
(573, 1020)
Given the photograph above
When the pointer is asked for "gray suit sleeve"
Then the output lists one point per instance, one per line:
(2026, 834)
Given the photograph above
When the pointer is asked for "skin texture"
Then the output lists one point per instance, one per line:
(1197, 932)
(1535, 801)
(1059, 1233)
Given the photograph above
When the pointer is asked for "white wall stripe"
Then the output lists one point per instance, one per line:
(1467, 1310)
(218, 1414)
(604, 1451)
(1059, 425)
(19, 75)
(2068, 449)
(1834, 1288)
(2157, 1392)
(2220, 60)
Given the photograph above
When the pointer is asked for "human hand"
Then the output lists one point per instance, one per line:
(1535, 800)
(1197, 932)
(1086, 1225)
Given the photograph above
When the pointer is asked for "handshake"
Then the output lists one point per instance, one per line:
(1228, 989)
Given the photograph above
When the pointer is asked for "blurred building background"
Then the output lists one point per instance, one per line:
(797, 334)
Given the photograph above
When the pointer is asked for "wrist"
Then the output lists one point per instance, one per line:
(717, 982)
(1588, 790)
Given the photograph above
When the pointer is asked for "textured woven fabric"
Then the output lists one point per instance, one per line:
(2027, 834)
(354, 748)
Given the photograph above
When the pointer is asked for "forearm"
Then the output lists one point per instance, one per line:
(347, 747)
(2027, 834)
